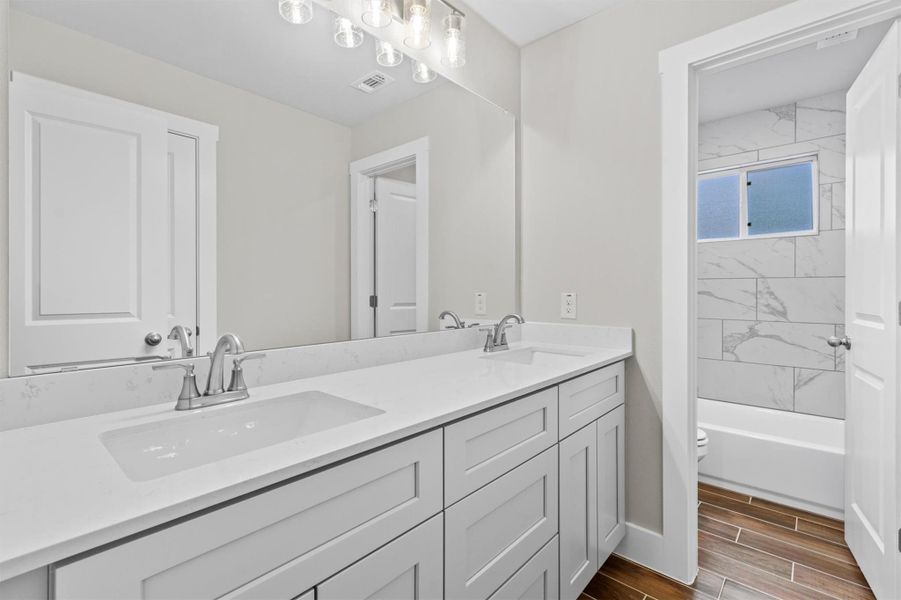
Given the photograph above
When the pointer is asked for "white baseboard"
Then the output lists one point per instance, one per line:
(642, 546)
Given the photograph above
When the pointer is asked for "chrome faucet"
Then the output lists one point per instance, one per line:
(190, 398)
(228, 342)
(183, 335)
(458, 323)
(497, 335)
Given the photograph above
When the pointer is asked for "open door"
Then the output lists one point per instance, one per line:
(872, 319)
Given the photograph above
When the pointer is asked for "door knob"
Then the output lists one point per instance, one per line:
(153, 339)
(836, 342)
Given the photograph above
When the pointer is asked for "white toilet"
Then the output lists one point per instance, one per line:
(702, 444)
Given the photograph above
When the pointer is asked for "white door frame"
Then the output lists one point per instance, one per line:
(361, 249)
(785, 28)
(207, 137)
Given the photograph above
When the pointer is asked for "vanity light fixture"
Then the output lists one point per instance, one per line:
(387, 55)
(454, 41)
(422, 73)
(377, 13)
(347, 35)
(418, 20)
(297, 12)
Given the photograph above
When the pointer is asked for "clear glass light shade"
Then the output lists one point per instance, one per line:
(297, 12)
(454, 42)
(418, 20)
(377, 13)
(422, 73)
(347, 35)
(387, 55)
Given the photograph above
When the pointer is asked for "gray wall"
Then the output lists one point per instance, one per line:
(767, 306)
(591, 193)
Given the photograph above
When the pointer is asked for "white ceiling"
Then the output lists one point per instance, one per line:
(785, 78)
(524, 21)
(244, 43)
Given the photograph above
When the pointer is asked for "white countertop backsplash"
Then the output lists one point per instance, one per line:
(63, 493)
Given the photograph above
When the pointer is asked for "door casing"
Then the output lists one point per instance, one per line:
(674, 550)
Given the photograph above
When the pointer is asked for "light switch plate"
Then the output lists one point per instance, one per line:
(481, 303)
(568, 305)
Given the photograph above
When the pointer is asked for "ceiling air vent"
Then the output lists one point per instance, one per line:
(837, 38)
(372, 82)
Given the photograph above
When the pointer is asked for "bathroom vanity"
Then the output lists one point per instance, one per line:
(463, 475)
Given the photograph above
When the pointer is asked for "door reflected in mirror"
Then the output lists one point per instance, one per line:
(183, 169)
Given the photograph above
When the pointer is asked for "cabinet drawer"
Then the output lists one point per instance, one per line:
(482, 448)
(536, 580)
(587, 398)
(409, 568)
(277, 544)
(493, 532)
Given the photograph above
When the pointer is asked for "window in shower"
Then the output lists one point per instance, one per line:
(776, 198)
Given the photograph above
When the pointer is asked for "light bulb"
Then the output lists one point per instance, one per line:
(347, 35)
(377, 13)
(422, 73)
(454, 42)
(418, 17)
(297, 12)
(387, 55)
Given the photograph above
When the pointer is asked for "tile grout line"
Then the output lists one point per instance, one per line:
(782, 541)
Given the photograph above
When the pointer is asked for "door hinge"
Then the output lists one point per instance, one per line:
(899, 85)
(899, 540)
(197, 330)
(373, 301)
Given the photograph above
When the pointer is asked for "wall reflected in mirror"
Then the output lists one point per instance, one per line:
(209, 165)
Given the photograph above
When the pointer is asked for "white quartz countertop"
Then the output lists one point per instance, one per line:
(63, 493)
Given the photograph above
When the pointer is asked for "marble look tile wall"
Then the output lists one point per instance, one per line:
(767, 306)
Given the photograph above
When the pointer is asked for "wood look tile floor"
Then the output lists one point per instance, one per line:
(749, 549)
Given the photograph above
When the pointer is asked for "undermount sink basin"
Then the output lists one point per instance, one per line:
(208, 435)
(534, 355)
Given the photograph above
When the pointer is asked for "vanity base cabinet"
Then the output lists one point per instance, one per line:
(536, 580)
(492, 533)
(611, 482)
(276, 544)
(578, 511)
(409, 568)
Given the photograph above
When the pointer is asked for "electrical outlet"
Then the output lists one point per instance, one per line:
(568, 305)
(481, 307)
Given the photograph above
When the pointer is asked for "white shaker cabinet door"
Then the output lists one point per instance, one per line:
(493, 532)
(578, 511)
(409, 568)
(88, 202)
(611, 482)
(536, 580)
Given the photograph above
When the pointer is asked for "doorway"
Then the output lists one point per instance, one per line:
(869, 492)
(390, 242)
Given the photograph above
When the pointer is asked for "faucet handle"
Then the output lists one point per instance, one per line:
(189, 390)
(237, 383)
(188, 367)
(236, 363)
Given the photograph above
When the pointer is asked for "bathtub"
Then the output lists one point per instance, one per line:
(794, 459)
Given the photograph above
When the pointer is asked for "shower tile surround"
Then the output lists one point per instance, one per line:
(766, 306)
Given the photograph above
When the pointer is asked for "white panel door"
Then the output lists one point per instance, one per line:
(181, 234)
(871, 461)
(611, 482)
(409, 568)
(87, 208)
(578, 511)
(395, 257)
